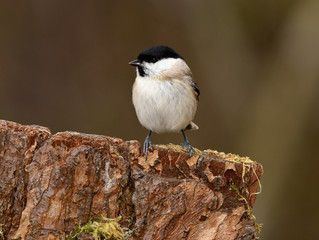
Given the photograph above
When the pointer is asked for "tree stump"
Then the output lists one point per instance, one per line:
(50, 184)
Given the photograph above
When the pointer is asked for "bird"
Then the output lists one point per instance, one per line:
(164, 95)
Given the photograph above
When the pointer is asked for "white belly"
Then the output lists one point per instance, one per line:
(163, 106)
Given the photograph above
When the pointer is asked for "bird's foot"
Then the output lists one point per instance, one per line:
(189, 148)
(147, 144)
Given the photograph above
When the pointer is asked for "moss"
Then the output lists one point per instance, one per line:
(227, 156)
(176, 148)
(103, 228)
(117, 153)
(244, 195)
(249, 209)
(131, 219)
(241, 197)
(258, 227)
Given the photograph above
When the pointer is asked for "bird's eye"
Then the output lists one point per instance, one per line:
(153, 59)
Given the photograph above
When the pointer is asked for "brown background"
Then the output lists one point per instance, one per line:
(64, 65)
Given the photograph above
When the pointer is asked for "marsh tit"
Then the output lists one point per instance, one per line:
(164, 94)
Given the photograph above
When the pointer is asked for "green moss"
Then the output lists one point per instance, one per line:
(258, 227)
(103, 228)
(117, 153)
(244, 195)
(249, 210)
(244, 199)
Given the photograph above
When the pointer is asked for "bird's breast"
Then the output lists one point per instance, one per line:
(163, 105)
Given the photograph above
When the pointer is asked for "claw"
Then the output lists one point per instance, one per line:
(147, 144)
(187, 145)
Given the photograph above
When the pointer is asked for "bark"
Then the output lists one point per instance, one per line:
(51, 183)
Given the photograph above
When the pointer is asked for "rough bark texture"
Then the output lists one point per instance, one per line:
(51, 183)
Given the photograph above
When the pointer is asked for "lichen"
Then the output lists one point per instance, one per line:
(102, 228)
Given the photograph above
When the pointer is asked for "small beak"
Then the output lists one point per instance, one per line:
(135, 63)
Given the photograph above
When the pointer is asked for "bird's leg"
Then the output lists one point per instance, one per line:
(187, 145)
(147, 143)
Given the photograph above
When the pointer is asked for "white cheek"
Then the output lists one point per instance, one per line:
(155, 69)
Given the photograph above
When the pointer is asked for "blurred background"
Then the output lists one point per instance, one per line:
(64, 65)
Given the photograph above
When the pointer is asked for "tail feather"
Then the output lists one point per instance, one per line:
(191, 126)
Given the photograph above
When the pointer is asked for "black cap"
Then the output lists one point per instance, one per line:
(156, 53)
